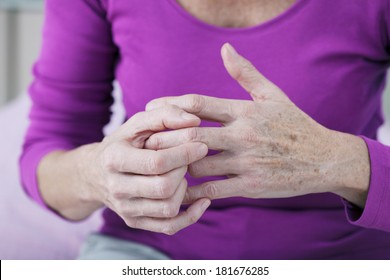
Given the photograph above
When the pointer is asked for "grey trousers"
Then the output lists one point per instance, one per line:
(102, 247)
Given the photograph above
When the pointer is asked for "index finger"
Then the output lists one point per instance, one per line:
(206, 107)
(158, 119)
(150, 162)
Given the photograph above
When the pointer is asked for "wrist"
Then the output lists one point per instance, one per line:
(350, 168)
(61, 184)
(87, 175)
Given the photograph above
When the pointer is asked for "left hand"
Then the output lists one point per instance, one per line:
(269, 147)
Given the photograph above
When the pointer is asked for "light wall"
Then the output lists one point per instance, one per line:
(386, 102)
(20, 40)
(3, 51)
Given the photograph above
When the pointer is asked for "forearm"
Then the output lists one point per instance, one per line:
(350, 170)
(63, 183)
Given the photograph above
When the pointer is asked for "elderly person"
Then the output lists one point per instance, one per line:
(216, 160)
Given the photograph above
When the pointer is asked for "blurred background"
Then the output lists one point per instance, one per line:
(20, 25)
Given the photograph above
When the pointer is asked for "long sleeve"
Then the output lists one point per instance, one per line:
(376, 213)
(71, 92)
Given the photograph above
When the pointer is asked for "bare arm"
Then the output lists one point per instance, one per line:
(63, 185)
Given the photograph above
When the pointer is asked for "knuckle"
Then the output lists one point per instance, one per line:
(129, 223)
(249, 163)
(167, 108)
(112, 158)
(196, 169)
(132, 222)
(111, 185)
(170, 210)
(252, 187)
(249, 109)
(156, 164)
(239, 74)
(124, 210)
(230, 111)
(136, 116)
(157, 142)
(108, 159)
(187, 155)
(247, 66)
(119, 195)
(165, 188)
(187, 197)
(210, 190)
(196, 102)
(134, 124)
(192, 134)
(164, 111)
(193, 170)
(249, 136)
(250, 72)
(169, 229)
(136, 192)
(192, 219)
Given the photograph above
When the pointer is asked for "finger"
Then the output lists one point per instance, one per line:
(214, 190)
(159, 208)
(145, 123)
(205, 107)
(171, 226)
(243, 71)
(215, 138)
(150, 162)
(221, 164)
(149, 187)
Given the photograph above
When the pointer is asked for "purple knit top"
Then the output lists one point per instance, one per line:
(329, 57)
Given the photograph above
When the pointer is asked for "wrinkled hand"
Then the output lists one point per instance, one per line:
(146, 188)
(268, 147)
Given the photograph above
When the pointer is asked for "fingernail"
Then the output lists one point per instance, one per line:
(189, 117)
(150, 106)
(233, 53)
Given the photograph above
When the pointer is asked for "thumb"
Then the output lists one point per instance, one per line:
(247, 75)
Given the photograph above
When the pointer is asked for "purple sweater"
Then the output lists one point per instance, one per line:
(329, 57)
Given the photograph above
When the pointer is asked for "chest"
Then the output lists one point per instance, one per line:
(235, 13)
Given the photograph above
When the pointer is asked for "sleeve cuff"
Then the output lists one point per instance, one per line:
(376, 213)
(29, 162)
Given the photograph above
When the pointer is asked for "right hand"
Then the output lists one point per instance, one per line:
(145, 187)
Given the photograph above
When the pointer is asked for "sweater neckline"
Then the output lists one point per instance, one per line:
(291, 11)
